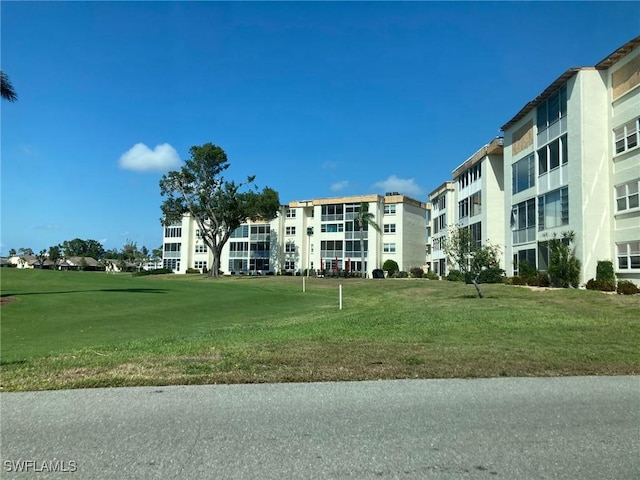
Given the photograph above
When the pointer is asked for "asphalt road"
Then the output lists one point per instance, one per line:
(577, 428)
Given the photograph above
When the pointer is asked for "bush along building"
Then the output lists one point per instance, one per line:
(319, 236)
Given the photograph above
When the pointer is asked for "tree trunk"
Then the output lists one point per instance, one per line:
(215, 268)
(363, 272)
(475, 284)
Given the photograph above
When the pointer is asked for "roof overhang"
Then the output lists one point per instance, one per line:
(495, 147)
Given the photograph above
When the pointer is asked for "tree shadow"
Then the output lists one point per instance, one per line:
(111, 290)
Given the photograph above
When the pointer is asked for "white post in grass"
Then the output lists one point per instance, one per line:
(304, 287)
(340, 295)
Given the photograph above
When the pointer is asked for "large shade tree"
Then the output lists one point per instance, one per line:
(6, 89)
(363, 220)
(218, 206)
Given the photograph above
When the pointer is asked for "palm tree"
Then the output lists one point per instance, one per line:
(6, 89)
(363, 219)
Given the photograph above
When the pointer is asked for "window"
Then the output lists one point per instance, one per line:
(289, 265)
(200, 265)
(389, 228)
(331, 248)
(238, 246)
(528, 256)
(171, 263)
(389, 248)
(463, 208)
(238, 265)
(553, 209)
(241, 232)
(626, 136)
(476, 233)
(290, 230)
(332, 227)
(628, 255)
(523, 221)
(290, 247)
(291, 213)
(554, 108)
(173, 232)
(552, 155)
(523, 174)
(198, 233)
(439, 223)
(332, 213)
(172, 247)
(352, 247)
(441, 202)
(201, 249)
(258, 264)
(475, 204)
(390, 209)
(627, 196)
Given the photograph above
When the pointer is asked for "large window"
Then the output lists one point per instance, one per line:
(332, 213)
(628, 255)
(463, 208)
(290, 230)
(475, 231)
(241, 232)
(201, 249)
(389, 248)
(352, 247)
(331, 227)
(627, 196)
(390, 209)
(523, 221)
(521, 256)
(552, 109)
(200, 265)
(626, 136)
(523, 174)
(289, 265)
(290, 247)
(553, 209)
(475, 204)
(173, 232)
(389, 228)
(331, 248)
(291, 213)
(552, 155)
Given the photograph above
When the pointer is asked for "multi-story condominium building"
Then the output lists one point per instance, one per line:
(474, 200)
(443, 205)
(319, 234)
(572, 163)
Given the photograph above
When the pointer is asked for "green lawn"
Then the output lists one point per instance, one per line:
(82, 329)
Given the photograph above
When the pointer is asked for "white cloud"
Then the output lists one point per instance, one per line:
(141, 158)
(406, 186)
(336, 187)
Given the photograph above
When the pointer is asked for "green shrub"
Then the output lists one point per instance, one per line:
(455, 276)
(602, 285)
(605, 272)
(527, 272)
(542, 280)
(401, 274)
(625, 287)
(564, 266)
(432, 275)
(155, 271)
(417, 272)
(391, 267)
(489, 275)
(518, 281)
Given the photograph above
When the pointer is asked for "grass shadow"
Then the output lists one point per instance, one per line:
(112, 290)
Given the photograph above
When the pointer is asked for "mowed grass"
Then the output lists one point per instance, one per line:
(84, 329)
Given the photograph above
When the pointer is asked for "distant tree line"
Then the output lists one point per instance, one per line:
(130, 253)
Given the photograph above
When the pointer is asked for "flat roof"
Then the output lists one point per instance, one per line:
(495, 146)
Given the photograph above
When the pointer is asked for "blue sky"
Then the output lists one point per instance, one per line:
(315, 99)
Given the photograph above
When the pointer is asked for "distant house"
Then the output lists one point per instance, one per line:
(79, 263)
(22, 261)
(113, 265)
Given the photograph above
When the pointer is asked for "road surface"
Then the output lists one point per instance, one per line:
(576, 428)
